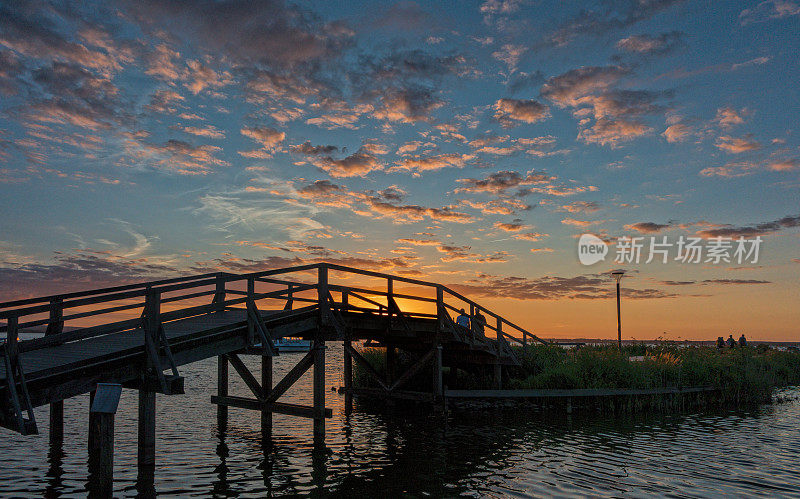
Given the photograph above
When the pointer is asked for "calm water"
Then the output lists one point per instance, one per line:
(497, 454)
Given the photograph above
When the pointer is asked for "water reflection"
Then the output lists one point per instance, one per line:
(400, 451)
(55, 470)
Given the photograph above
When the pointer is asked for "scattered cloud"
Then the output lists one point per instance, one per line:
(428, 163)
(727, 117)
(649, 44)
(510, 112)
(677, 133)
(648, 227)
(587, 287)
(608, 132)
(749, 231)
(768, 11)
(357, 164)
(737, 145)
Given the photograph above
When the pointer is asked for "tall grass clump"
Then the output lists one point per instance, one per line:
(747, 374)
(739, 374)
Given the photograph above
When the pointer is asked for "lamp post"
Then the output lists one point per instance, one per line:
(618, 276)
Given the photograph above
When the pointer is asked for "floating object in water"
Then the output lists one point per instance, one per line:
(287, 345)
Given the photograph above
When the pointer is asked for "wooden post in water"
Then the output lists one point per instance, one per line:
(147, 429)
(319, 388)
(91, 401)
(222, 391)
(57, 423)
(55, 326)
(101, 451)
(348, 379)
(266, 384)
(319, 352)
(391, 363)
(438, 389)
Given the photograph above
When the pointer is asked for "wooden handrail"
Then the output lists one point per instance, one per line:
(42, 305)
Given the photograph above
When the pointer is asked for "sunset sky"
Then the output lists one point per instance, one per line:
(468, 143)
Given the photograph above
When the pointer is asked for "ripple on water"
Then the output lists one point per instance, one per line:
(514, 454)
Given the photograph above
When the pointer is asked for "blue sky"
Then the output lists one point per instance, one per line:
(467, 142)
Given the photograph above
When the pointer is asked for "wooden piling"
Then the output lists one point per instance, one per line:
(57, 423)
(498, 376)
(348, 379)
(391, 364)
(147, 428)
(319, 388)
(56, 326)
(101, 427)
(91, 401)
(438, 389)
(266, 384)
(222, 391)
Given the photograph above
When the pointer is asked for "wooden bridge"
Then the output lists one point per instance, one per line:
(140, 335)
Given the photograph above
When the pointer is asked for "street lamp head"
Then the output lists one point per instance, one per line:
(618, 274)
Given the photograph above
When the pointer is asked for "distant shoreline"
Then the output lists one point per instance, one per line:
(711, 342)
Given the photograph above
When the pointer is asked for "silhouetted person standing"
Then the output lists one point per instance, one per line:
(463, 319)
(731, 342)
(720, 342)
(479, 321)
(742, 341)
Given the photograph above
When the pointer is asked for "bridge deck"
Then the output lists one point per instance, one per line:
(65, 364)
(77, 353)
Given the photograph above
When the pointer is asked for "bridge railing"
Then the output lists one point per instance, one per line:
(182, 295)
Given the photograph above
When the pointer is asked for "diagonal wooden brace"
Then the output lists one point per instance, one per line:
(291, 377)
(246, 375)
(365, 363)
(411, 371)
(253, 317)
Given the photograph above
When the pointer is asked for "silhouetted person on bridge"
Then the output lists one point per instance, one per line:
(478, 322)
(463, 319)
(742, 341)
(731, 342)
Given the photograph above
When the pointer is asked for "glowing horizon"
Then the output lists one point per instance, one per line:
(473, 147)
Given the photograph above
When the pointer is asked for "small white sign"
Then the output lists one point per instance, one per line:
(591, 249)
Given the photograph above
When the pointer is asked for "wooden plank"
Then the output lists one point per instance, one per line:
(398, 394)
(106, 398)
(259, 405)
(583, 392)
(77, 294)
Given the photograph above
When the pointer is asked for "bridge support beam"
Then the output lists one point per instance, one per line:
(319, 389)
(222, 391)
(439, 404)
(57, 423)
(348, 379)
(266, 385)
(391, 364)
(101, 450)
(91, 402)
(498, 376)
(438, 389)
(147, 429)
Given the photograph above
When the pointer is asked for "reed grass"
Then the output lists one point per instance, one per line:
(747, 374)
(740, 374)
